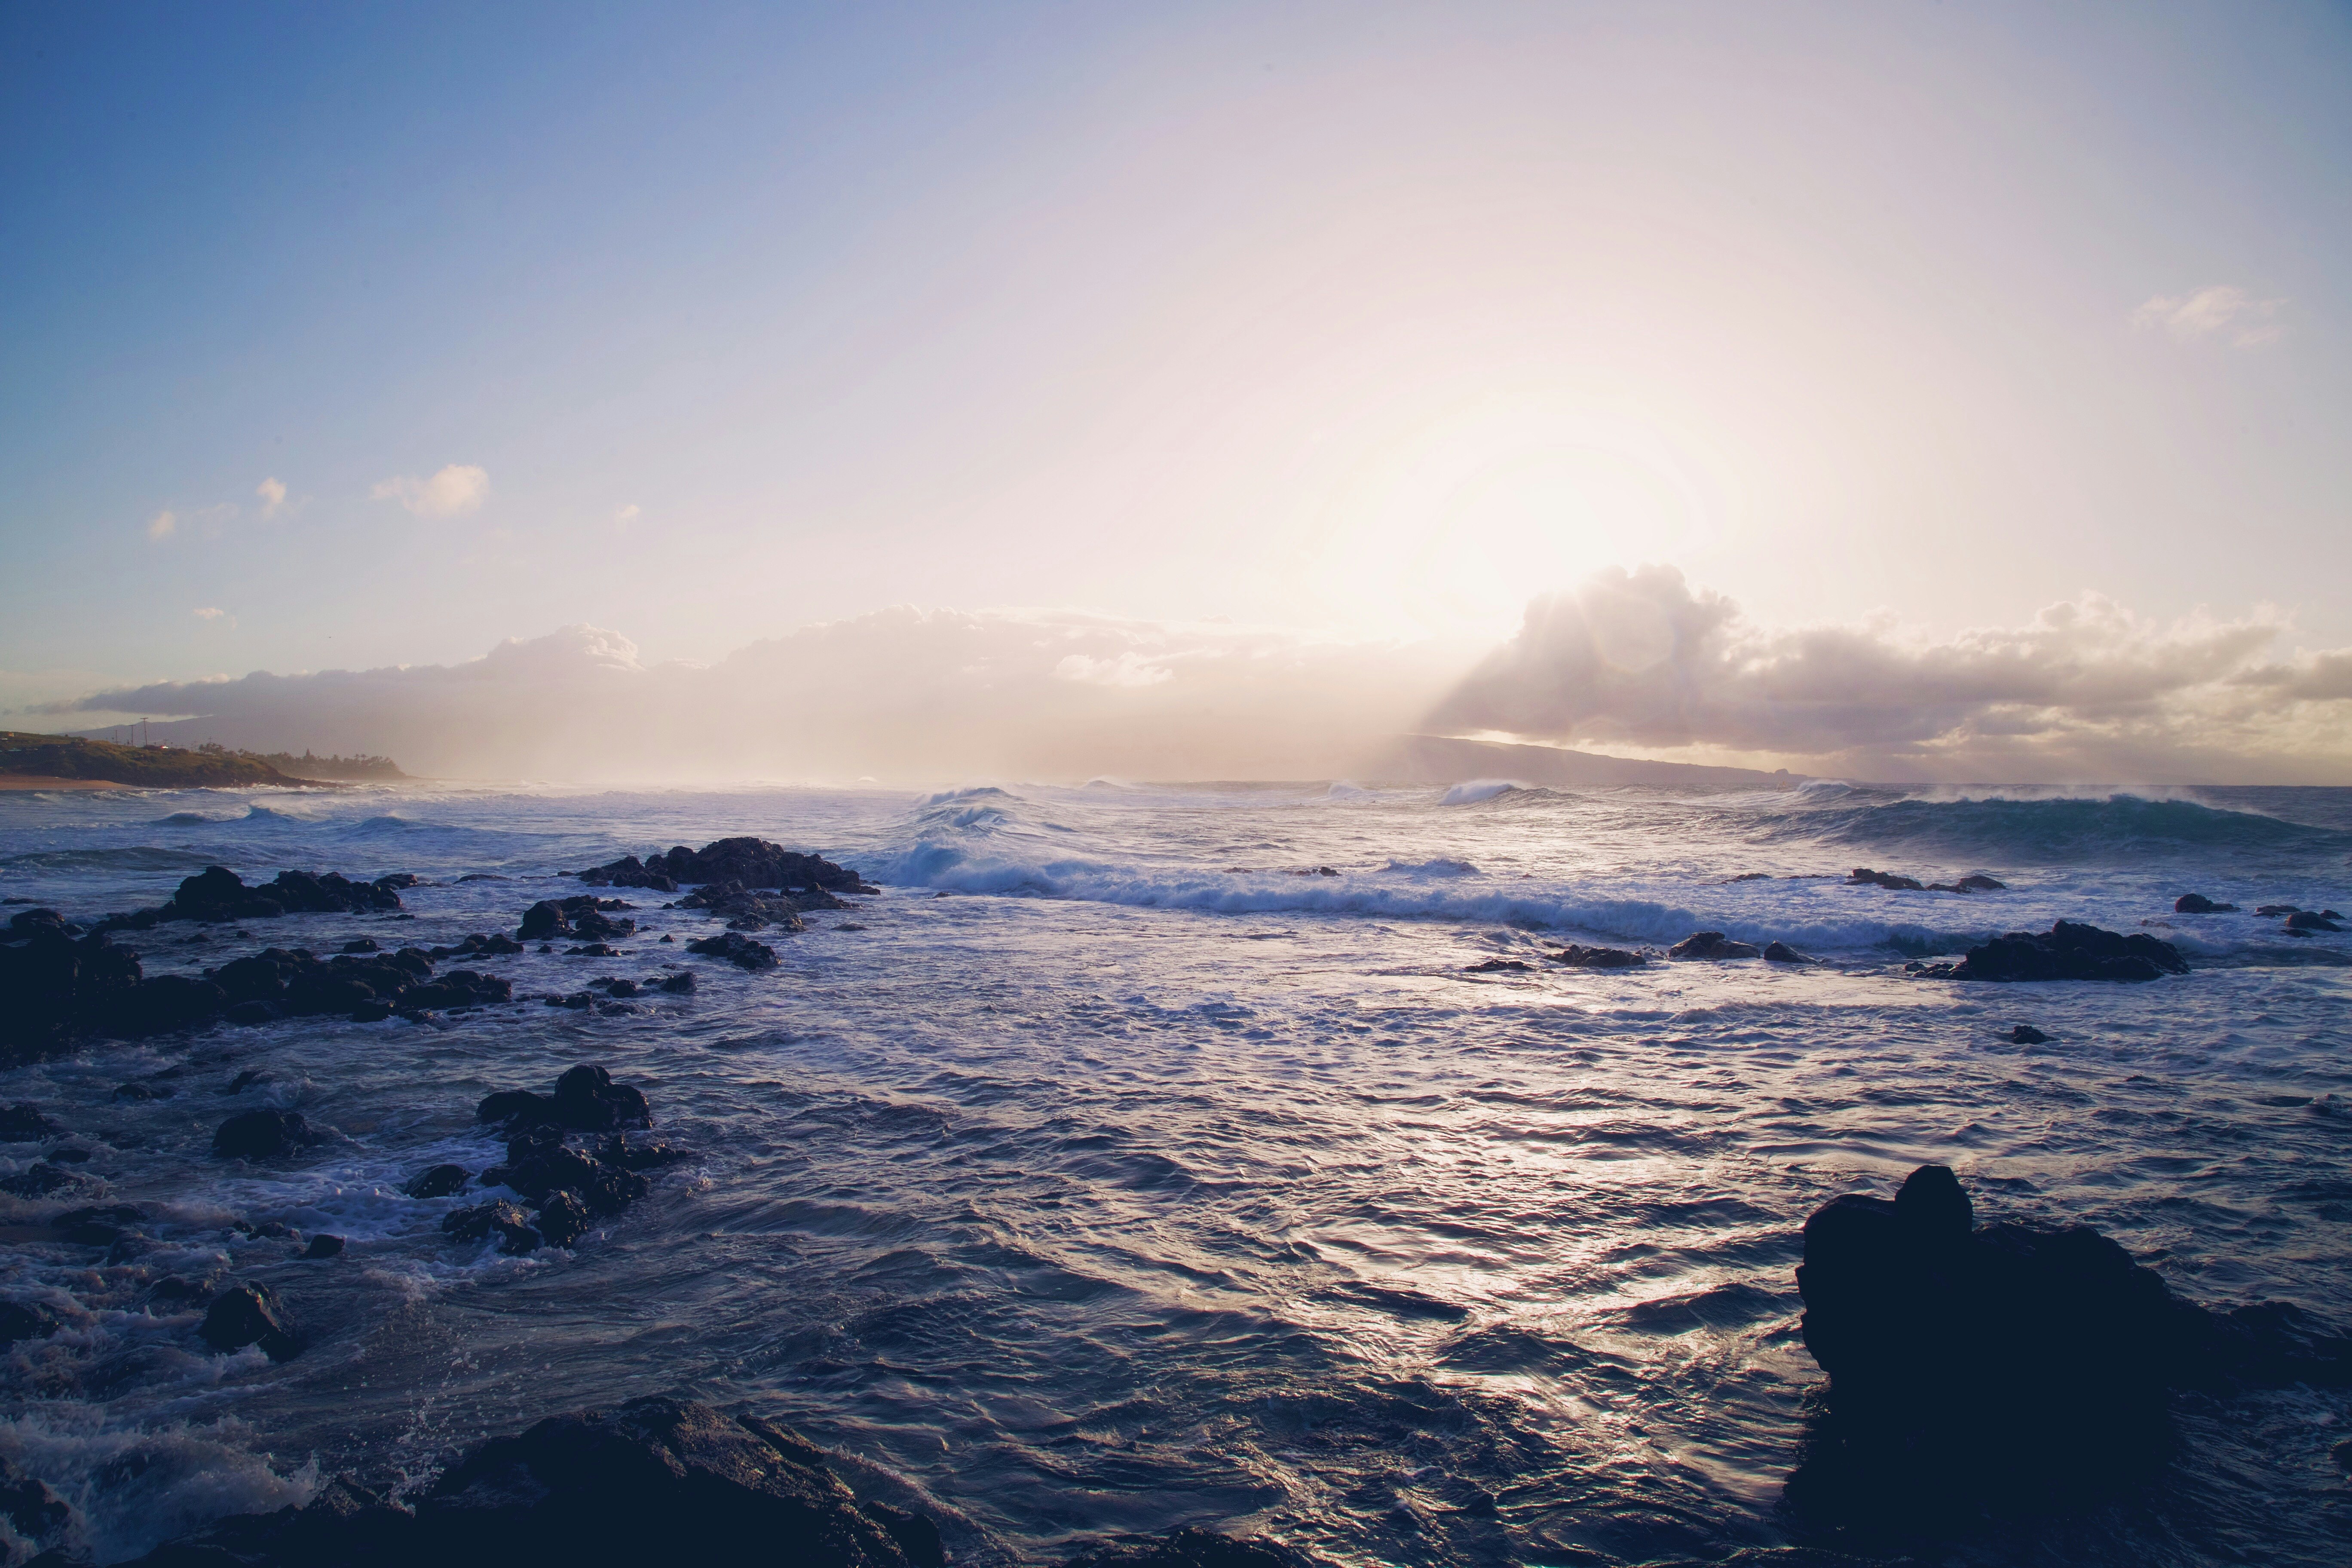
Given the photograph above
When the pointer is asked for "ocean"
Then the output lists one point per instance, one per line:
(1139, 1156)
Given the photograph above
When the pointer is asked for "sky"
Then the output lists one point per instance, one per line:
(1999, 351)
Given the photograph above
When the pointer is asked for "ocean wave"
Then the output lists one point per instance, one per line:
(1441, 866)
(1475, 791)
(971, 869)
(1999, 830)
(972, 792)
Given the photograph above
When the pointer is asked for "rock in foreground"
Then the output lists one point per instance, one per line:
(2068, 951)
(2044, 1355)
(656, 1480)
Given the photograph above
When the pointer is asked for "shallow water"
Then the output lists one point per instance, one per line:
(1123, 1171)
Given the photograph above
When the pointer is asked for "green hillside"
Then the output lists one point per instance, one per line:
(146, 767)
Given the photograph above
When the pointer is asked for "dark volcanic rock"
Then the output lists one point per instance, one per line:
(680, 984)
(23, 1123)
(97, 1226)
(440, 1181)
(583, 916)
(2069, 951)
(2312, 920)
(217, 894)
(587, 1100)
(1710, 944)
(654, 1481)
(1189, 1547)
(29, 1505)
(2198, 904)
(55, 988)
(259, 1134)
(752, 862)
(458, 988)
(1498, 965)
(22, 1321)
(1782, 953)
(251, 1314)
(2027, 1034)
(745, 909)
(2043, 1354)
(1863, 876)
(505, 1220)
(38, 1180)
(563, 1219)
(736, 948)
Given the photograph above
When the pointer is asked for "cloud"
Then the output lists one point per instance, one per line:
(162, 525)
(627, 515)
(210, 614)
(272, 492)
(904, 695)
(2221, 309)
(454, 491)
(2087, 691)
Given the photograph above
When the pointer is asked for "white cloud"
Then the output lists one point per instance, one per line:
(210, 613)
(454, 491)
(162, 525)
(272, 492)
(2221, 309)
(627, 514)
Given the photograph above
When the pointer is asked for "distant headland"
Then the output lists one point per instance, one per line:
(30, 761)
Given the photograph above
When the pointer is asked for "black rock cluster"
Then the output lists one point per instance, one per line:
(2068, 951)
(750, 862)
(582, 917)
(568, 1189)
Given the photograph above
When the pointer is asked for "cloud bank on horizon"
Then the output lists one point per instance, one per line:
(1632, 663)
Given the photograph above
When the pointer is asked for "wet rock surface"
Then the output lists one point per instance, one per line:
(2068, 951)
(1711, 945)
(568, 1188)
(2040, 1359)
(251, 1314)
(653, 1480)
(1581, 957)
(746, 861)
(261, 1134)
(1975, 882)
(736, 948)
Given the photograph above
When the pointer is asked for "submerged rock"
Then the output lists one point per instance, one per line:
(751, 862)
(2068, 951)
(2313, 919)
(502, 1219)
(1782, 953)
(1711, 945)
(23, 1123)
(1498, 965)
(656, 1481)
(2198, 904)
(260, 1134)
(249, 1314)
(439, 1181)
(1975, 882)
(322, 1247)
(2027, 1034)
(24, 1320)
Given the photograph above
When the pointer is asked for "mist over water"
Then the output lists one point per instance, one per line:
(1116, 1167)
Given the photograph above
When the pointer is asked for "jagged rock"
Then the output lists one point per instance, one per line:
(653, 1482)
(583, 916)
(1711, 945)
(323, 1247)
(249, 1314)
(164, 1003)
(1594, 957)
(540, 1166)
(217, 894)
(55, 988)
(2069, 951)
(563, 1219)
(744, 909)
(1782, 953)
(1975, 882)
(2043, 1353)
(439, 1181)
(23, 1123)
(592, 950)
(38, 1180)
(587, 1100)
(753, 862)
(260, 1134)
(1496, 965)
(2313, 919)
(28, 1504)
(458, 988)
(24, 1320)
(736, 948)
(2027, 1034)
(640, 1153)
(505, 1220)
(679, 984)
(1189, 1547)
(2198, 904)
(481, 944)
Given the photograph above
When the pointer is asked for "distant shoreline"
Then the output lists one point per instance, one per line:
(15, 781)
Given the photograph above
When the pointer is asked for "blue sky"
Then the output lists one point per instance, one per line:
(705, 323)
